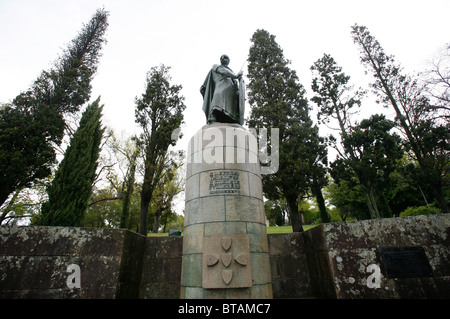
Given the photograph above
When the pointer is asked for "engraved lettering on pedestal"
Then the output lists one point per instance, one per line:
(224, 182)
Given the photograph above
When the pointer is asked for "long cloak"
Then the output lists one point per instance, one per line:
(208, 89)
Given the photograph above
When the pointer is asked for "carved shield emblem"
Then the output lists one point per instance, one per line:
(226, 259)
(227, 275)
(226, 262)
(211, 260)
(242, 259)
(226, 243)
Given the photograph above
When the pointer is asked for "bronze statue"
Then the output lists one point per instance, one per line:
(223, 94)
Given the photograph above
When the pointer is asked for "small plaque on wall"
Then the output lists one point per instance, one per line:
(224, 183)
(405, 262)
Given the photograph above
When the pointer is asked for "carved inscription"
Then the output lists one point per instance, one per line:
(224, 182)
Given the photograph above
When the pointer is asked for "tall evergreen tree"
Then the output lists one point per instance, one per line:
(334, 97)
(428, 140)
(168, 187)
(377, 152)
(335, 100)
(69, 193)
(128, 187)
(277, 101)
(34, 123)
(159, 111)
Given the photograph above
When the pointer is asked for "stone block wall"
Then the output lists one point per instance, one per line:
(34, 262)
(114, 263)
(328, 261)
(288, 263)
(161, 271)
(340, 253)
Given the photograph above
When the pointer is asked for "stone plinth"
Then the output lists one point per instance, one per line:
(225, 250)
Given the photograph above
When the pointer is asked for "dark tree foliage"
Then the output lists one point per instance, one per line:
(364, 147)
(26, 153)
(128, 187)
(367, 174)
(34, 123)
(376, 154)
(345, 192)
(428, 139)
(334, 97)
(277, 101)
(71, 189)
(159, 111)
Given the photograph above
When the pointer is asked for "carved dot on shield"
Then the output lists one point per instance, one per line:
(227, 275)
(211, 260)
(226, 243)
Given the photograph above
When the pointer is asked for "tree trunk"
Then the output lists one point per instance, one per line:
(441, 199)
(324, 216)
(386, 210)
(294, 215)
(125, 209)
(128, 192)
(143, 216)
(156, 223)
(146, 197)
(148, 185)
(371, 202)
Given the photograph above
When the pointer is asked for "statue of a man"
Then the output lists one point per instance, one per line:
(223, 95)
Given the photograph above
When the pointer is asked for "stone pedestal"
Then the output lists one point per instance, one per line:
(225, 250)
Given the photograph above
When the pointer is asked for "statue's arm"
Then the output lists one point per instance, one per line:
(228, 73)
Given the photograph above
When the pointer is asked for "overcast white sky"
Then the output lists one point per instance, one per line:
(191, 35)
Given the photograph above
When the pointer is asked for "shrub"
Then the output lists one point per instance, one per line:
(420, 210)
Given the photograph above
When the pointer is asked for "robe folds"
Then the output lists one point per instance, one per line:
(221, 98)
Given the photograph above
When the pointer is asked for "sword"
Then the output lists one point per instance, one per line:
(242, 67)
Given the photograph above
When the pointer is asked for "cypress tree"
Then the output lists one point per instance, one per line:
(34, 122)
(278, 101)
(159, 111)
(71, 188)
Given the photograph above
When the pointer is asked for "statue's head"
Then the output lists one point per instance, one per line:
(224, 59)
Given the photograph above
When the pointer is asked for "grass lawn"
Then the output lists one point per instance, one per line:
(158, 234)
(270, 230)
(285, 229)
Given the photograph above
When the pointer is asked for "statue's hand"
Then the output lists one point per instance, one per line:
(239, 75)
